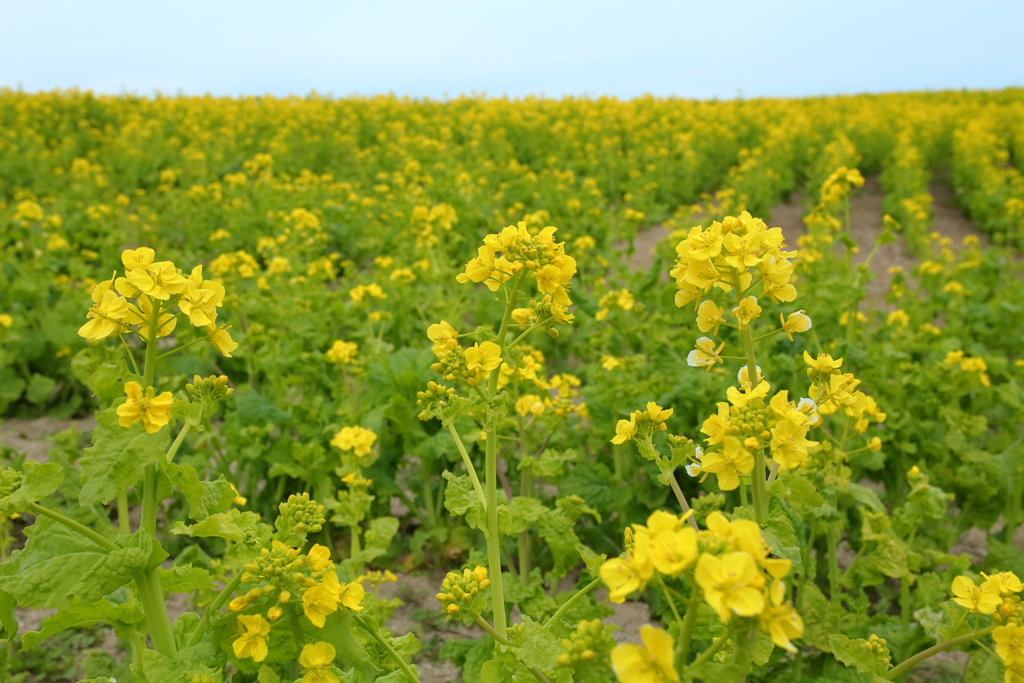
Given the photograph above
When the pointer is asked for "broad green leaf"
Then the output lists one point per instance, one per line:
(267, 675)
(339, 630)
(7, 618)
(39, 388)
(865, 496)
(204, 498)
(858, 655)
(796, 489)
(460, 498)
(763, 647)
(39, 482)
(117, 457)
(525, 511)
(550, 464)
(58, 565)
(534, 645)
(81, 614)
(713, 672)
(184, 579)
(233, 525)
(188, 665)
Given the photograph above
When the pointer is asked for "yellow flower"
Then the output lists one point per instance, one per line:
(318, 558)
(444, 336)
(1006, 583)
(316, 661)
(1009, 644)
(143, 316)
(710, 317)
(624, 430)
(342, 351)
(252, 644)
(746, 311)
(356, 439)
(789, 445)
(7, 321)
(657, 414)
(201, 299)
(780, 620)
(107, 315)
(650, 663)
(318, 602)
(158, 280)
(530, 404)
(674, 550)
(137, 258)
(221, 340)
(705, 244)
(732, 584)
(610, 362)
(153, 410)
(822, 365)
(729, 463)
(982, 599)
(486, 356)
(797, 322)
(705, 355)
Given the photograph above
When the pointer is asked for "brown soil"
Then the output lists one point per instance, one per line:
(30, 436)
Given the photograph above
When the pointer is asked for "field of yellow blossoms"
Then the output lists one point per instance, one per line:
(334, 347)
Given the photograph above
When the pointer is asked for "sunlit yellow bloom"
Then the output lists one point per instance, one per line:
(746, 311)
(1006, 583)
(657, 414)
(107, 315)
(348, 595)
(444, 336)
(318, 557)
(137, 258)
(486, 356)
(624, 430)
(728, 463)
(153, 410)
(705, 355)
(675, 550)
(710, 317)
(982, 599)
(651, 662)
(7, 321)
(252, 644)
(316, 661)
(821, 365)
(1009, 644)
(221, 340)
(789, 443)
(356, 439)
(318, 603)
(530, 404)
(159, 280)
(732, 584)
(342, 351)
(797, 322)
(779, 620)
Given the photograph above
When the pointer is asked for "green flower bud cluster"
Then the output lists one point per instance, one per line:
(279, 565)
(433, 400)
(461, 593)
(1010, 612)
(704, 505)
(209, 388)
(879, 648)
(590, 642)
(10, 481)
(300, 515)
(452, 366)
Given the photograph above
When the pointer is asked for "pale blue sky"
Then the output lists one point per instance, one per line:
(430, 49)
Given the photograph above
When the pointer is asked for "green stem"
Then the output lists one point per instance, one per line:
(295, 625)
(180, 348)
(123, 523)
(758, 485)
(482, 623)
(668, 596)
(468, 463)
(355, 539)
(682, 500)
(387, 646)
(525, 490)
(686, 629)
(832, 541)
(572, 601)
(173, 450)
(214, 607)
(909, 664)
(131, 356)
(710, 652)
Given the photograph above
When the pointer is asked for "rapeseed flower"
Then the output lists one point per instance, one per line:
(154, 411)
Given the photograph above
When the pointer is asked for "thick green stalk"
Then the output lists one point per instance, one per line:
(758, 485)
(491, 480)
(151, 594)
(123, 523)
(909, 664)
(686, 629)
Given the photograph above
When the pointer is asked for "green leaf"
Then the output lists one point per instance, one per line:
(7, 618)
(865, 496)
(267, 675)
(796, 489)
(117, 457)
(39, 482)
(204, 498)
(460, 499)
(190, 664)
(39, 388)
(534, 645)
(184, 579)
(763, 648)
(525, 511)
(777, 532)
(81, 614)
(856, 654)
(713, 672)
(550, 464)
(338, 631)
(58, 565)
(233, 525)
(495, 671)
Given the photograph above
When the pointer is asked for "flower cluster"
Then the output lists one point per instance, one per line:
(642, 423)
(833, 390)
(156, 287)
(357, 440)
(590, 642)
(728, 563)
(461, 594)
(726, 255)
